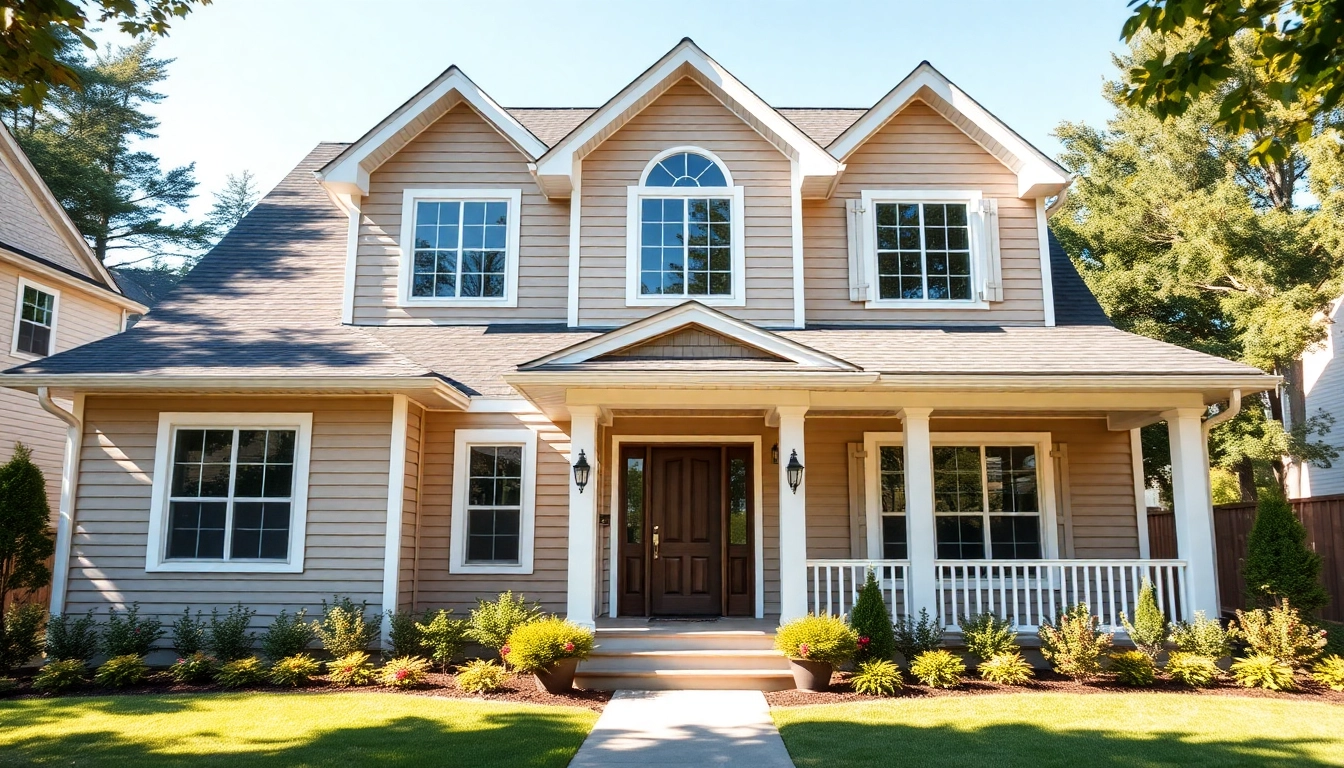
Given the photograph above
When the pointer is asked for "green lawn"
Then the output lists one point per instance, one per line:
(1041, 730)
(261, 729)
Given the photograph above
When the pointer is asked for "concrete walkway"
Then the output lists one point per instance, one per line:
(656, 728)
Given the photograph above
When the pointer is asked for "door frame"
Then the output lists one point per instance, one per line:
(758, 493)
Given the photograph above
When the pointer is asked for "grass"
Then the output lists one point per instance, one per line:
(250, 729)
(1042, 730)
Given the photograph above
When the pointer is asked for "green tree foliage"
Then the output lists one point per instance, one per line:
(233, 202)
(1279, 565)
(25, 538)
(872, 623)
(1149, 630)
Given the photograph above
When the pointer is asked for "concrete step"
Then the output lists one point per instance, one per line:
(683, 679)
(649, 660)
(673, 640)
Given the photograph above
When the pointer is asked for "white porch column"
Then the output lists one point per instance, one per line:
(923, 544)
(1193, 508)
(580, 603)
(792, 516)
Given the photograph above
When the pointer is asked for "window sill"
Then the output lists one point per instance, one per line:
(517, 570)
(672, 301)
(923, 304)
(223, 566)
(507, 302)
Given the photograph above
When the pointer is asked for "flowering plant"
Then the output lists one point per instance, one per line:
(825, 639)
(404, 672)
(541, 643)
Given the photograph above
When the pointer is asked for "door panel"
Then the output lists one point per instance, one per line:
(686, 525)
(632, 533)
(740, 499)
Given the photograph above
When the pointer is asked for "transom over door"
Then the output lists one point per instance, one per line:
(685, 500)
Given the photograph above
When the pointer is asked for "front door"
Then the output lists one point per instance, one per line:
(685, 499)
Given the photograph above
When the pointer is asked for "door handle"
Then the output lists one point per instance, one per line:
(655, 542)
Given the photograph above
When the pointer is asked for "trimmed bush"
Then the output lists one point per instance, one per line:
(1329, 672)
(241, 672)
(872, 623)
(189, 634)
(442, 637)
(60, 675)
(404, 672)
(227, 638)
(126, 634)
(1006, 669)
(938, 669)
(539, 644)
(987, 636)
(25, 537)
(121, 671)
(20, 635)
(916, 637)
(287, 636)
(1261, 670)
(1279, 632)
(1192, 669)
(877, 677)
(195, 669)
(491, 623)
(295, 670)
(72, 638)
(482, 676)
(1279, 565)
(1073, 644)
(1202, 637)
(817, 638)
(1133, 668)
(353, 669)
(404, 634)
(1149, 630)
(345, 629)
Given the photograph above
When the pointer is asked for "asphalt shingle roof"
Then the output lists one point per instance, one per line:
(551, 124)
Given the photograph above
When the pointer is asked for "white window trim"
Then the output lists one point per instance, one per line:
(156, 560)
(406, 269)
(462, 442)
(979, 251)
(738, 296)
(18, 315)
(873, 442)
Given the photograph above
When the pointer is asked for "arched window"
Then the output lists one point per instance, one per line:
(685, 169)
(688, 228)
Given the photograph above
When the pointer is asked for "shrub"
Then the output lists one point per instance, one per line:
(1192, 669)
(877, 677)
(194, 669)
(817, 638)
(295, 670)
(1202, 637)
(987, 636)
(129, 635)
(1134, 668)
(25, 538)
(59, 675)
(1334, 638)
(404, 634)
(442, 637)
(492, 623)
(227, 638)
(916, 637)
(72, 638)
(344, 628)
(1149, 630)
(938, 669)
(20, 635)
(352, 669)
(1261, 670)
(872, 623)
(1279, 565)
(1279, 632)
(404, 672)
(1006, 669)
(1073, 643)
(1329, 672)
(287, 636)
(539, 644)
(189, 635)
(241, 672)
(121, 671)
(482, 676)
(8, 684)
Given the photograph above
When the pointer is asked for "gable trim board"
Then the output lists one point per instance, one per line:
(19, 257)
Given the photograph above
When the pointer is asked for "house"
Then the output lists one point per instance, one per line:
(685, 354)
(1323, 382)
(57, 296)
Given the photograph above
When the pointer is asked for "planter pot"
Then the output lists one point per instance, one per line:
(559, 677)
(811, 675)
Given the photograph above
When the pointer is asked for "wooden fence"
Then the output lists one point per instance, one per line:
(1322, 516)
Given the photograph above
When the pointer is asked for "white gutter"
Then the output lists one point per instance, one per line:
(69, 478)
(122, 382)
(1230, 412)
(1054, 207)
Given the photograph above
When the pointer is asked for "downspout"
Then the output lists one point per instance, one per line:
(65, 523)
(1054, 207)
(1230, 412)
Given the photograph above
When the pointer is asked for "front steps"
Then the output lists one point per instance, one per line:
(694, 656)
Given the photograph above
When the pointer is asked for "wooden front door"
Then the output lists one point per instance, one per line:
(685, 498)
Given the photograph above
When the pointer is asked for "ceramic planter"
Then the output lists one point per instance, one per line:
(811, 675)
(558, 677)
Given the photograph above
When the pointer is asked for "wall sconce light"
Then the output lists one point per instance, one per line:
(795, 470)
(774, 453)
(582, 470)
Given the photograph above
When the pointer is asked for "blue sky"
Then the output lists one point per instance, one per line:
(256, 83)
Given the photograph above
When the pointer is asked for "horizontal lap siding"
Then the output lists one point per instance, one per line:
(23, 225)
(347, 510)
(1323, 373)
(686, 115)
(461, 150)
(828, 481)
(919, 149)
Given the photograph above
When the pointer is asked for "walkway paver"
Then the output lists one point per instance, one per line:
(653, 728)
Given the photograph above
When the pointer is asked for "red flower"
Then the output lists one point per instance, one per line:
(402, 673)
(504, 651)
(803, 649)
(864, 641)
(569, 647)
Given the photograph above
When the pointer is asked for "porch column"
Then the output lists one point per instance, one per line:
(580, 602)
(792, 516)
(923, 544)
(1193, 508)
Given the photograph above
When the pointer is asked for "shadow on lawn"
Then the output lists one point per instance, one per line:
(841, 744)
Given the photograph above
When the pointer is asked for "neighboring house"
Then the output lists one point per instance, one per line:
(56, 296)
(1323, 379)
(685, 354)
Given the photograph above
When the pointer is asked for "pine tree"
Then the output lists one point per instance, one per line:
(1279, 565)
(233, 202)
(1149, 630)
(870, 620)
(25, 539)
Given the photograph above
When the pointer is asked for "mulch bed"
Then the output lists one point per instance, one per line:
(840, 691)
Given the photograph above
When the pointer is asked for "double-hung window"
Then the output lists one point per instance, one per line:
(35, 319)
(684, 232)
(494, 496)
(460, 247)
(926, 249)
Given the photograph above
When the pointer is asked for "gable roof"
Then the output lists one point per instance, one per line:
(821, 124)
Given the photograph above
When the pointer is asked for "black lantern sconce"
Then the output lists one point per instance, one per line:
(795, 470)
(582, 471)
(774, 453)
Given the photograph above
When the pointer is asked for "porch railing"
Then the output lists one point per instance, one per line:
(833, 585)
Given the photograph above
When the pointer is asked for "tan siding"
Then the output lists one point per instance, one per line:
(23, 225)
(461, 150)
(686, 115)
(828, 481)
(920, 149)
(410, 508)
(692, 342)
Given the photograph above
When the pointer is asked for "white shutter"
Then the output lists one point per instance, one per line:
(857, 230)
(989, 214)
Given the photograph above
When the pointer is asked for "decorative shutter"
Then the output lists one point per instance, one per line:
(989, 214)
(858, 520)
(856, 230)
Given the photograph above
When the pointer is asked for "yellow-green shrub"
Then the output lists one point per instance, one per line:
(352, 669)
(1260, 670)
(295, 670)
(241, 672)
(1330, 673)
(539, 644)
(404, 672)
(196, 668)
(938, 669)
(481, 676)
(59, 675)
(877, 677)
(121, 671)
(1006, 669)
(817, 638)
(1133, 668)
(1192, 669)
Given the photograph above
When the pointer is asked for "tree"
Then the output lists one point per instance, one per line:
(233, 202)
(1278, 563)
(872, 623)
(36, 35)
(25, 539)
